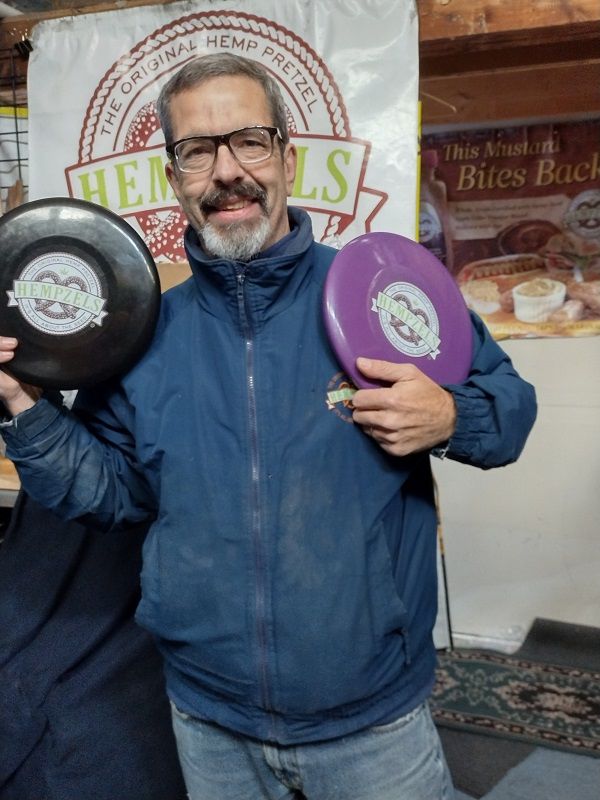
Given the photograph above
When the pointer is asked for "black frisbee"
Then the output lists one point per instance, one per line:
(79, 289)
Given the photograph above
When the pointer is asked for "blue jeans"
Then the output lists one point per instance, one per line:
(399, 761)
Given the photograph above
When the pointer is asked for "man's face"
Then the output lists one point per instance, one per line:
(237, 209)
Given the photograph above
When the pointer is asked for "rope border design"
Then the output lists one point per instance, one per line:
(206, 20)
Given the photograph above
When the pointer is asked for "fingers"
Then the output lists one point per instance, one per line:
(7, 348)
(385, 371)
(16, 396)
(410, 414)
(388, 373)
(382, 420)
(396, 443)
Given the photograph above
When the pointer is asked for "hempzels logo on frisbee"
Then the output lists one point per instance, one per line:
(58, 294)
(121, 149)
(408, 320)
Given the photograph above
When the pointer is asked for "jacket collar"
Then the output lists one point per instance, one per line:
(271, 279)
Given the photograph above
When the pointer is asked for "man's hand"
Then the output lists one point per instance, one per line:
(414, 413)
(15, 395)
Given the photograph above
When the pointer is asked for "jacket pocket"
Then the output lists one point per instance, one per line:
(388, 610)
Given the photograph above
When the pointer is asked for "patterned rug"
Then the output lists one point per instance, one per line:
(543, 704)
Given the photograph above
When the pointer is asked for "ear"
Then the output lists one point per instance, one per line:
(290, 159)
(172, 177)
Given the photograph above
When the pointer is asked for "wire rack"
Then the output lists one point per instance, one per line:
(14, 127)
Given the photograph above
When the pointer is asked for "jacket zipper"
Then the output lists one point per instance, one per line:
(256, 518)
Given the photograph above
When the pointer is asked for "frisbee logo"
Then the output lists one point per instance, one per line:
(121, 157)
(583, 214)
(59, 294)
(340, 391)
(408, 320)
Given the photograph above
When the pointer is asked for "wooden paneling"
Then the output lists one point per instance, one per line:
(443, 21)
(558, 90)
(497, 60)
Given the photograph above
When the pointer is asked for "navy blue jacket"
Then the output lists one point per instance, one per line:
(290, 571)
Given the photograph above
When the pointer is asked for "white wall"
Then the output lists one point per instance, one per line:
(523, 541)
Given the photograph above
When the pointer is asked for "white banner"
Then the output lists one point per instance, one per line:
(348, 71)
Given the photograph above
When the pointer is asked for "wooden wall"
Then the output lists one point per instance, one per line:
(503, 59)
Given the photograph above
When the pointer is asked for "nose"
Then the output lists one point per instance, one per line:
(226, 168)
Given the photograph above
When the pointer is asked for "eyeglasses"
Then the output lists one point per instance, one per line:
(247, 145)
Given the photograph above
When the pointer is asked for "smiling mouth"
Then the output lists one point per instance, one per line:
(232, 206)
(223, 201)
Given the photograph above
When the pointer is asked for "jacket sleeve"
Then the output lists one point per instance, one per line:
(80, 473)
(495, 407)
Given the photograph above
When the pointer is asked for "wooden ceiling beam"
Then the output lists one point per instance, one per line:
(445, 21)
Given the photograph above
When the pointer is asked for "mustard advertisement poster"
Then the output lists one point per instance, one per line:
(514, 213)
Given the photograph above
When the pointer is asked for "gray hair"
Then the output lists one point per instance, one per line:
(217, 65)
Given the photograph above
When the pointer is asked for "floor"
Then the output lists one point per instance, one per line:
(548, 775)
(497, 769)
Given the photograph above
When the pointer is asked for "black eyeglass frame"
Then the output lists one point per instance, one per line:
(223, 138)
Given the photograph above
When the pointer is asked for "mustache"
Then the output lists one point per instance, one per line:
(219, 197)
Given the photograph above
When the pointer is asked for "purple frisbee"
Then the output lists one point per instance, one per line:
(389, 298)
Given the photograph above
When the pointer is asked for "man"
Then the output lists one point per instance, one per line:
(290, 572)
